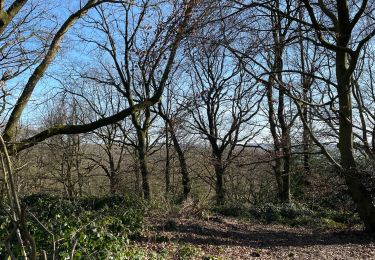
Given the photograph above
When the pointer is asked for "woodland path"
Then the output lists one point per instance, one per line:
(226, 238)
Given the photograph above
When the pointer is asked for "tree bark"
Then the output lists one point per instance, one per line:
(137, 172)
(143, 165)
(113, 183)
(186, 185)
(167, 163)
(219, 184)
(360, 195)
(358, 191)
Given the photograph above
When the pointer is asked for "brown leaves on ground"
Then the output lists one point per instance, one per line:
(226, 238)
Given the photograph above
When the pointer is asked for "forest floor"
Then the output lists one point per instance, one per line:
(229, 238)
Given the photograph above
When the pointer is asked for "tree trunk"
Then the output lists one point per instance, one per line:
(285, 177)
(112, 175)
(281, 170)
(113, 183)
(285, 196)
(306, 90)
(183, 165)
(143, 165)
(281, 143)
(360, 195)
(137, 172)
(219, 185)
(167, 163)
(306, 116)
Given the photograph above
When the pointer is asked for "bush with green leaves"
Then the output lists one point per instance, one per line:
(90, 228)
(187, 251)
(293, 214)
(300, 215)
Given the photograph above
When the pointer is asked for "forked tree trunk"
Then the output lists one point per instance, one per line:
(281, 143)
(186, 184)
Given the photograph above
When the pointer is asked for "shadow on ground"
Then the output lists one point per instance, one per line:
(257, 236)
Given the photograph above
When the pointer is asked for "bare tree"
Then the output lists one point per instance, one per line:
(337, 28)
(65, 157)
(178, 27)
(223, 103)
(173, 115)
(180, 21)
(136, 47)
(341, 33)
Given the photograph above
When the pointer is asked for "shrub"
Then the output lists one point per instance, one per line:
(91, 228)
(188, 252)
(300, 215)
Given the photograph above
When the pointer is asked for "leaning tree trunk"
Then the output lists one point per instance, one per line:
(183, 165)
(360, 195)
(344, 25)
(186, 184)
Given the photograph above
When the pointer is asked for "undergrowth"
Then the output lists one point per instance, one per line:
(292, 214)
(103, 228)
(89, 228)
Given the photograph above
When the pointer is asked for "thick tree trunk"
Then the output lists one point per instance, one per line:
(143, 165)
(112, 176)
(67, 180)
(360, 195)
(144, 172)
(137, 173)
(285, 193)
(281, 170)
(219, 185)
(113, 183)
(284, 143)
(185, 180)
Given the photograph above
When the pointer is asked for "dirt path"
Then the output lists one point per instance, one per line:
(224, 238)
